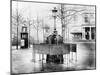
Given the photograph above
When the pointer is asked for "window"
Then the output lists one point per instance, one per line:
(86, 19)
(24, 29)
(93, 33)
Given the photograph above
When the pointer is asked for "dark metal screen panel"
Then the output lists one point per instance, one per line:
(52, 49)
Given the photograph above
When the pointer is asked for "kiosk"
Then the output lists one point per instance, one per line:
(24, 37)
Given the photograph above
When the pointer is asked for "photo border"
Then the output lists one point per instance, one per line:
(50, 3)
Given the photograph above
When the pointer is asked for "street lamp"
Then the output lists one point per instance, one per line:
(54, 11)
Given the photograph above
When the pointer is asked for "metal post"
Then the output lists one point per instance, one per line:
(43, 31)
(37, 35)
(38, 42)
(72, 52)
(29, 34)
(17, 35)
(54, 11)
(42, 63)
(76, 58)
(63, 22)
(29, 24)
(17, 25)
(90, 33)
(33, 60)
(67, 60)
(68, 34)
(54, 22)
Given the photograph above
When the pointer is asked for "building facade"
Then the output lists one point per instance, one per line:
(86, 30)
(89, 27)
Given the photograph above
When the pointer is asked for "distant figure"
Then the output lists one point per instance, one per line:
(87, 35)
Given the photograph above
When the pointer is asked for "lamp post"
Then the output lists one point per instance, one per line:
(54, 11)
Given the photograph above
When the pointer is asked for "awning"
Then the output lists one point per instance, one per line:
(76, 33)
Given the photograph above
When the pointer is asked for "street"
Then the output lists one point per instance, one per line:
(22, 60)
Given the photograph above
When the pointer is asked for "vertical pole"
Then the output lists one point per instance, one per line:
(65, 30)
(43, 34)
(37, 30)
(29, 24)
(90, 33)
(67, 60)
(82, 33)
(71, 52)
(29, 34)
(43, 30)
(54, 22)
(42, 62)
(33, 55)
(38, 37)
(62, 20)
(17, 34)
(76, 57)
(69, 56)
(17, 25)
(68, 32)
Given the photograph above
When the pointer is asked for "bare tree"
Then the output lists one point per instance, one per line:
(17, 19)
(46, 29)
(66, 15)
(29, 22)
(37, 25)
